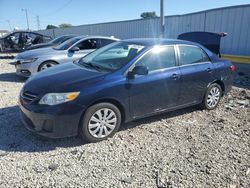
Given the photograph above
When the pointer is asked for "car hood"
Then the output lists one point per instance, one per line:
(41, 45)
(62, 78)
(37, 53)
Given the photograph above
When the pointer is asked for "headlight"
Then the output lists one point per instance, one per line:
(23, 61)
(58, 98)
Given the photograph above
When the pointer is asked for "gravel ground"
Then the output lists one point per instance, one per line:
(185, 148)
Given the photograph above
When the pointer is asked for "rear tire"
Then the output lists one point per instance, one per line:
(100, 121)
(47, 64)
(212, 97)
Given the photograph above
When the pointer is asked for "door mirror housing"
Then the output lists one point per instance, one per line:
(74, 49)
(138, 70)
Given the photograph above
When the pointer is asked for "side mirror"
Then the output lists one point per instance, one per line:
(74, 49)
(138, 70)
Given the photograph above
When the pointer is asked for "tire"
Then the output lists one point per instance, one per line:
(212, 97)
(47, 64)
(93, 129)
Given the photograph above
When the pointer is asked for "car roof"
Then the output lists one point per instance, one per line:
(67, 35)
(149, 42)
(158, 41)
(94, 36)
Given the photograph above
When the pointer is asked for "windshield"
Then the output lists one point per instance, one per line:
(58, 40)
(65, 45)
(112, 57)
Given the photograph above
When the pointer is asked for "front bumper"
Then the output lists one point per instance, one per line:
(52, 122)
(26, 69)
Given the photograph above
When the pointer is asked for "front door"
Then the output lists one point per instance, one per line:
(159, 89)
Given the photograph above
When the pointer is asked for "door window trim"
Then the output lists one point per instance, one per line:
(192, 64)
(158, 70)
(82, 40)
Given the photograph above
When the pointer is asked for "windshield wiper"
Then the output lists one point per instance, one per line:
(91, 65)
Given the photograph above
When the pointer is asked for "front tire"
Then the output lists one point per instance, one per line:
(45, 65)
(100, 121)
(212, 97)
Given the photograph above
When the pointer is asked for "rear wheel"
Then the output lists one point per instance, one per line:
(100, 122)
(212, 96)
(45, 65)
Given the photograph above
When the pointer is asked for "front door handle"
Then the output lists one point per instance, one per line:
(175, 76)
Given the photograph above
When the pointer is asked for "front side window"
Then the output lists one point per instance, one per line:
(159, 57)
(112, 57)
(14, 38)
(192, 55)
(87, 44)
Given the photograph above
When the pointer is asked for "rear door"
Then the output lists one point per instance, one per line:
(160, 88)
(196, 73)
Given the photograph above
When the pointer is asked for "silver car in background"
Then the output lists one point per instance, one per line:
(32, 61)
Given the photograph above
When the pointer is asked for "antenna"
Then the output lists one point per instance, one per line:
(38, 22)
(27, 20)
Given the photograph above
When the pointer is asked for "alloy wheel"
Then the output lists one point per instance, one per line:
(213, 97)
(47, 65)
(102, 123)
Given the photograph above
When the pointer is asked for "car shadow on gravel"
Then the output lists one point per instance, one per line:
(242, 75)
(164, 115)
(15, 138)
(11, 77)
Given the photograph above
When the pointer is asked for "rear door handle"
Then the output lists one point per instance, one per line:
(209, 70)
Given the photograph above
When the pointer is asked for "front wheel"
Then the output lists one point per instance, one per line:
(212, 97)
(45, 65)
(100, 122)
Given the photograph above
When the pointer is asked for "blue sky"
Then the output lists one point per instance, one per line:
(79, 12)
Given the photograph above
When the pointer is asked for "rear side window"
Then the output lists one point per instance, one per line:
(160, 57)
(105, 42)
(192, 55)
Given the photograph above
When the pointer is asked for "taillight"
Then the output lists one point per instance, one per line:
(232, 68)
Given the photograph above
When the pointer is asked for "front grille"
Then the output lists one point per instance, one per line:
(28, 96)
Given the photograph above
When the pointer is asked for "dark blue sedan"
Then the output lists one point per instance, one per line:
(121, 82)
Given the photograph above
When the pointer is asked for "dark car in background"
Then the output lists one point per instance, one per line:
(121, 82)
(18, 41)
(56, 41)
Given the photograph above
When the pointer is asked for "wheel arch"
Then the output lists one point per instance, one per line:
(111, 101)
(221, 84)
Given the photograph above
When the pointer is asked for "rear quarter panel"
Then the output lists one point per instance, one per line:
(223, 73)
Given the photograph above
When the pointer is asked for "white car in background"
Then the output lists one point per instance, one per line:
(32, 61)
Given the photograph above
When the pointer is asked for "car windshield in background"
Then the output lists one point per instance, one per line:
(68, 43)
(111, 57)
(58, 40)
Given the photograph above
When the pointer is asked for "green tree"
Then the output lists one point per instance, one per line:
(51, 26)
(146, 15)
(65, 25)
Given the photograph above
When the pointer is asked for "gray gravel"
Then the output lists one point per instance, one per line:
(185, 148)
